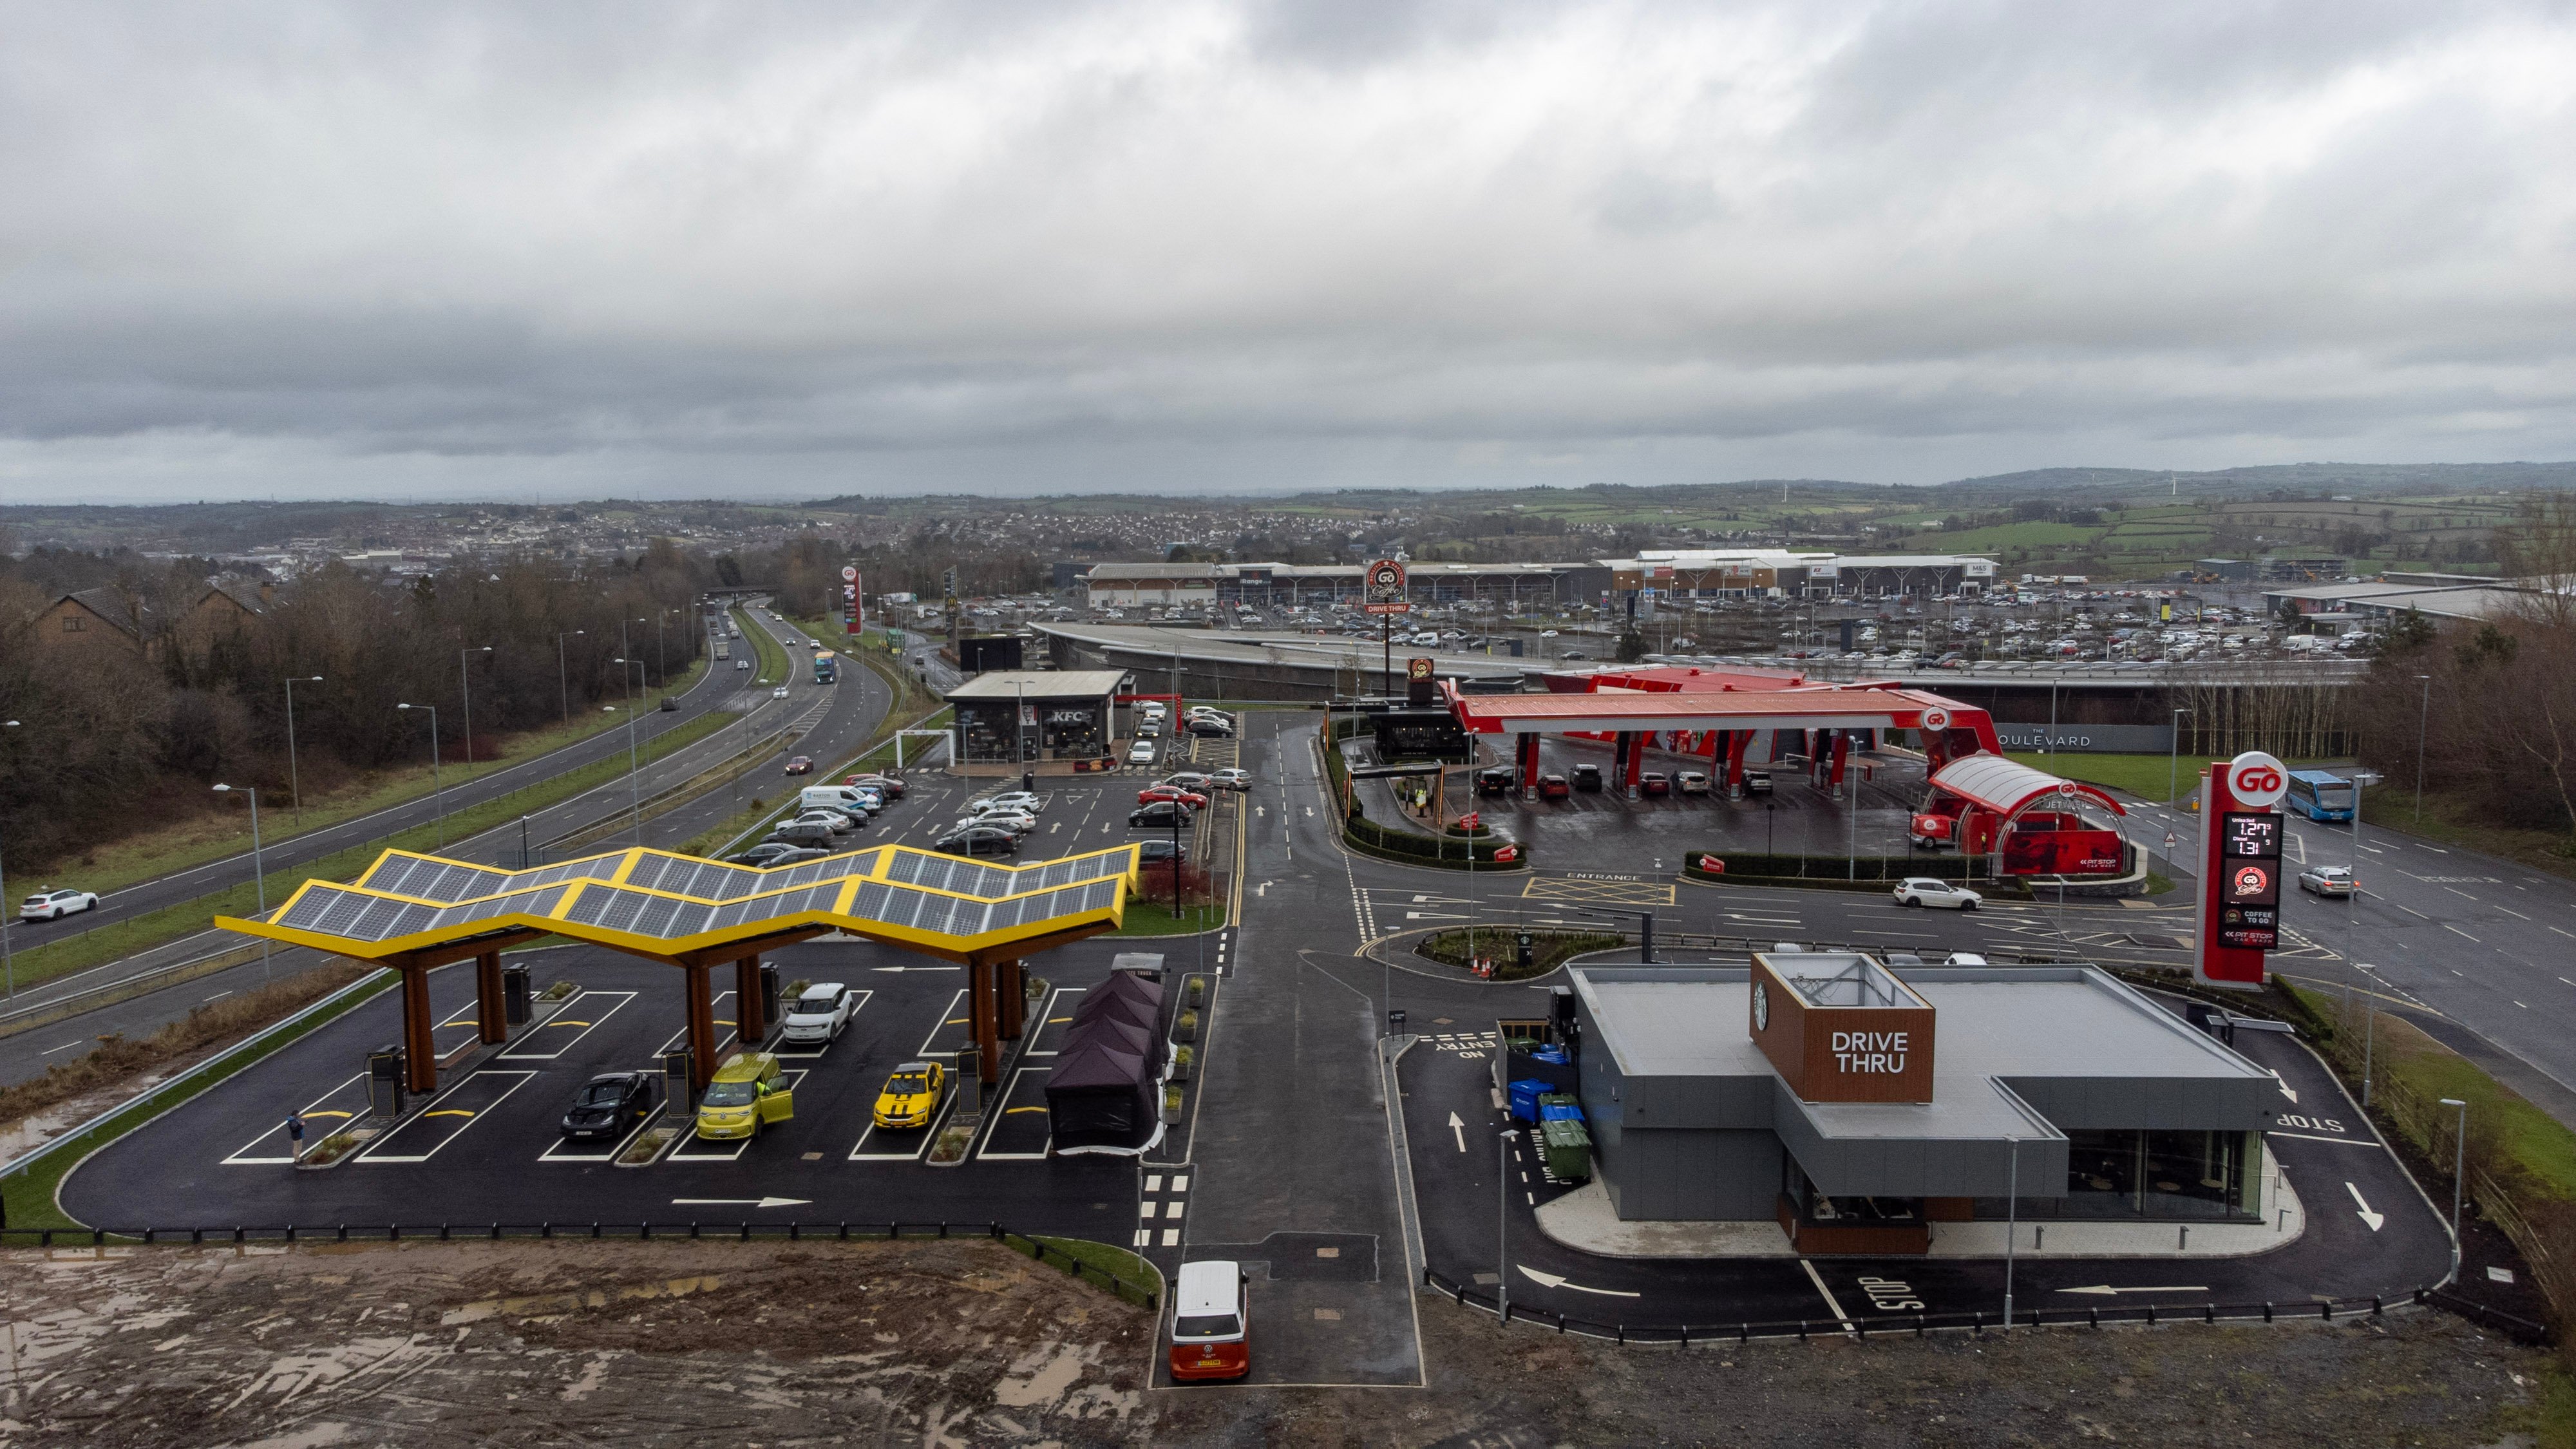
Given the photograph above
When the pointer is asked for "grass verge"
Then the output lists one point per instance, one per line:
(198, 840)
(1116, 1269)
(2449, 821)
(1155, 918)
(770, 654)
(155, 928)
(1549, 949)
(29, 1192)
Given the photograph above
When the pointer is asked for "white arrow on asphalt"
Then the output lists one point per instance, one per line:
(1460, 1128)
(2105, 1289)
(919, 968)
(758, 1202)
(1432, 916)
(1442, 901)
(1260, 811)
(1310, 811)
(1550, 1280)
(2367, 1216)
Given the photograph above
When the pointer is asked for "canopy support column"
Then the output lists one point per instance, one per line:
(983, 1016)
(750, 1006)
(1736, 741)
(1842, 756)
(1013, 992)
(1528, 746)
(702, 1028)
(491, 1022)
(420, 1047)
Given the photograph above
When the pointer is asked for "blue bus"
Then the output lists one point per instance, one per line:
(2320, 796)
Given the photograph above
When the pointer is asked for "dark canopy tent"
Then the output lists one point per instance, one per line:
(1102, 1090)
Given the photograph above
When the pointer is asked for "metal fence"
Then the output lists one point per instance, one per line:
(1919, 1325)
(1145, 1295)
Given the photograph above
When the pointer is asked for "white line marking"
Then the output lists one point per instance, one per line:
(1819, 1280)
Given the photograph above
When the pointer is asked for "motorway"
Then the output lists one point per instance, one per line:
(838, 717)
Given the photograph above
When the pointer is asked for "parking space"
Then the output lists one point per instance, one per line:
(449, 1116)
(1019, 1130)
(324, 1115)
(585, 1013)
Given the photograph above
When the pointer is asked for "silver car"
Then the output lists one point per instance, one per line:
(2328, 880)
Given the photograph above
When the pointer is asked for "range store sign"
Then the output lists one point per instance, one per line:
(2241, 836)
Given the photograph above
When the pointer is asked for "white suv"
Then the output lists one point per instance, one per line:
(820, 1013)
(54, 905)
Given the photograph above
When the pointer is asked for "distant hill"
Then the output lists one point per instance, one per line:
(2300, 479)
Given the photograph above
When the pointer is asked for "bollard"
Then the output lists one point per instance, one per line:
(1744, 1333)
(238, 1235)
(1685, 1335)
(746, 1232)
(1623, 1335)
(2093, 1317)
(198, 1235)
(845, 1231)
(2374, 1305)
(393, 1232)
(443, 1235)
(2151, 1315)
(792, 1235)
(496, 1232)
(344, 1232)
(1462, 1295)
(2328, 1313)
(693, 1232)
(2267, 1310)
(46, 1239)
(1802, 1330)
(147, 1237)
(2182, 1242)
(2212, 1314)
(290, 1234)
(1560, 1325)
(1918, 1325)
(644, 1232)
(594, 1228)
(98, 1237)
(546, 1229)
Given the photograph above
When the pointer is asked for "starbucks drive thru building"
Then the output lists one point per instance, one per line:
(1855, 1104)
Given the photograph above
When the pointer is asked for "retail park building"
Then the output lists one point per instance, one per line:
(1700, 574)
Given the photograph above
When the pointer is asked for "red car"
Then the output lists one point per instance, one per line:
(1553, 787)
(1654, 782)
(800, 766)
(1172, 792)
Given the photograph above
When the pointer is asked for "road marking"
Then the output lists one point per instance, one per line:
(2463, 935)
(449, 1112)
(218, 996)
(2517, 915)
(1819, 1280)
(2105, 1290)
(2367, 1216)
(1460, 1129)
(67, 1046)
(2312, 1137)
(757, 1202)
(1550, 1280)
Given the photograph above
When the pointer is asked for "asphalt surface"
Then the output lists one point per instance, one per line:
(839, 718)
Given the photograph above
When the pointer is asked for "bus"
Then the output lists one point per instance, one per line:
(2319, 796)
(827, 667)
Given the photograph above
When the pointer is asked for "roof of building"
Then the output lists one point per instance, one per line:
(1152, 572)
(1820, 706)
(2007, 786)
(108, 604)
(1908, 561)
(1040, 684)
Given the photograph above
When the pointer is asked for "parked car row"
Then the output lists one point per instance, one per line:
(825, 813)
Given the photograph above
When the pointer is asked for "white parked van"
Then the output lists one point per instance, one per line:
(836, 797)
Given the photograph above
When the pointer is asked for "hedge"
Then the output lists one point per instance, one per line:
(1752, 867)
(1371, 838)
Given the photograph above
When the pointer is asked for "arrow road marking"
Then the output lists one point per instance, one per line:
(1432, 916)
(758, 1202)
(919, 968)
(2372, 1219)
(1460, 1128)
(2105, 1290)
(1550, 1280)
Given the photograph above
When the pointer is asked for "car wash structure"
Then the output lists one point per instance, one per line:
(2025, 821)
(412, 913)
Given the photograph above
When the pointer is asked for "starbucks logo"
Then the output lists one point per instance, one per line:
(1761, 1008)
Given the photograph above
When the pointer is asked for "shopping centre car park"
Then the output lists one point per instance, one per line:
(1290, 1162)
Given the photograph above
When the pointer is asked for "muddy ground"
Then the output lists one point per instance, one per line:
(965, 1343)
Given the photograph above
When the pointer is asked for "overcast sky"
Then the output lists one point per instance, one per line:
(561, 250)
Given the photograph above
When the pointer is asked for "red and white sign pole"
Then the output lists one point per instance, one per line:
(2241, 832)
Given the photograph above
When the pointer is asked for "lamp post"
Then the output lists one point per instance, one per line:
(1503, 1226)
(465, 682)
(634, 791)
(293, 786)
(2012, 1218)
(2423, 720)
(563, 679)
(2173, 761)
(259, 872)
(8, 967)
(2459, 1164)
(437, 797)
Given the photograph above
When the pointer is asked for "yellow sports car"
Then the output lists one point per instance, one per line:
(911, 1095)
(745, 1096)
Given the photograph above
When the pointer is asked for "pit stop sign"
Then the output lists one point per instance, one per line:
(2257, 780)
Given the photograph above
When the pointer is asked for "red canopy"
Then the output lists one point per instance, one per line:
(2006, 788)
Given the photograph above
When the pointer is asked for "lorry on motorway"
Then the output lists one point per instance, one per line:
(827, 667)
(723, 650)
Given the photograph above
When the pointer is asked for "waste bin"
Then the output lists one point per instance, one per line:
(1524, 1097)
(1569, 1150)
(1559, 1107)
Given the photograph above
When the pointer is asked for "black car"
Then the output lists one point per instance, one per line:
(608, 1106)
(1161, 812)
(978, 840)
(1204, 725)
(1588, 778)
(1495, 781)
(1155, 852)
(777, 852)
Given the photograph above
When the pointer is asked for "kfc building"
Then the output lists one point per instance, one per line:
(1856, 1105)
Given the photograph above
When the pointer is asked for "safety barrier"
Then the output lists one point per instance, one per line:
(1918, 1325)
(1143, 1294)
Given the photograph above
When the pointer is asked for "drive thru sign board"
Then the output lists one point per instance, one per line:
(1385, 585)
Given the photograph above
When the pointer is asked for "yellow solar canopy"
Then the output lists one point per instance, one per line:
(655, 903)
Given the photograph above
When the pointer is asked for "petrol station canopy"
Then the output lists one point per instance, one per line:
(2007, 787)
(1610, 709)
(677, 907)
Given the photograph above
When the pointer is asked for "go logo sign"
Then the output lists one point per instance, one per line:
(2257, 780)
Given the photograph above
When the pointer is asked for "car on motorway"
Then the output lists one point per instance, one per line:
(1924, 890)
(609, 1105)
(2327, 880)
(1209, 726)
(1691, 782)
(779, 693)
(745, 1096)
(886, 785)
(911, 1095)
(1191, 798)
(52, 905)
(1155, 852)
(1211, 1321)
(771, 853)
(800, 765)
(1026, 801)
(977, 840)
(819, 1013)
(1165, 813)
(1231, 779)
(1654, 782)
(1554, 787)
(1587, 778)
(1141, 753)
(804, 832)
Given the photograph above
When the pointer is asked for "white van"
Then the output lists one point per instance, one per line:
(836, 797)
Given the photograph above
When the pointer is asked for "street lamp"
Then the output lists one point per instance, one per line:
(1503, 1226)
(2459, 1164)
(292, 786)
(259, 872)
(8, 968)
(465, 682)
(563, 680)
(2423, 719)
(2173, 761)
(2012, 1218)
(437, 797)
(634, 793)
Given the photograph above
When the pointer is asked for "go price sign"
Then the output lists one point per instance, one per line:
(2257, 780)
